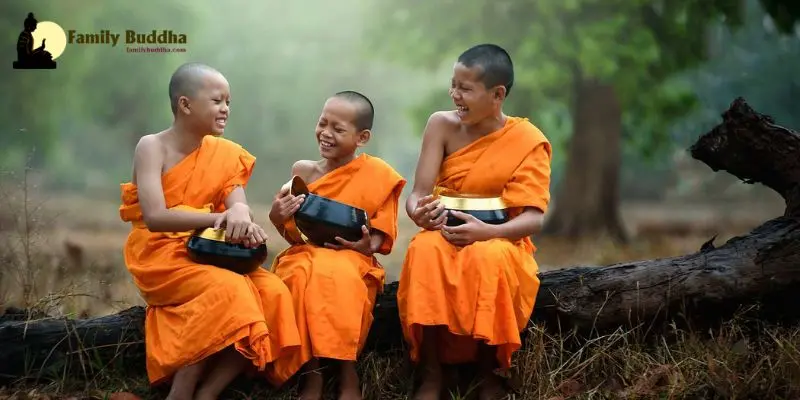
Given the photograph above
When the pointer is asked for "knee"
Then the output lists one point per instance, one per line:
(427, 245)
(492, 250)
(268, 281)
(293, 278)
(224, 280)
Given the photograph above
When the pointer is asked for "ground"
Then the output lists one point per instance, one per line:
(73, 247)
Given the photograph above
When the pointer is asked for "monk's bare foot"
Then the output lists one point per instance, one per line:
(228, 364)
(312, 382)
(431, 387)
(185, 382)
(349, 387)
(491, 388)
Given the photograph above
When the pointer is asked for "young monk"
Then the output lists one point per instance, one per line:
(201, 320)
(334, 287)
(466, 292)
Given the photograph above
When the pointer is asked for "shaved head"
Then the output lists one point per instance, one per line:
(494, 63)
(186, 81)
(365, 113)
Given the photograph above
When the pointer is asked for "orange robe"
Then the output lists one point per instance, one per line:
(194, 310)
(334, 290)
(484, 291)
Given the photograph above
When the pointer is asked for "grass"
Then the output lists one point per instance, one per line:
(742, 359)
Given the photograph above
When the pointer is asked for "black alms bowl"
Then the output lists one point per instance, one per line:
(491, 210)
(320, 220)
(209, 247)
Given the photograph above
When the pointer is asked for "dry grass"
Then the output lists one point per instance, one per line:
(66, 260)
(740, 360)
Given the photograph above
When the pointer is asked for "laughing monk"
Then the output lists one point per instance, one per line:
(334, 287)
(467, 291)
(201, 320)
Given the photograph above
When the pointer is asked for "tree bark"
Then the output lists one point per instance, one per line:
(587, 203)
(710, 284)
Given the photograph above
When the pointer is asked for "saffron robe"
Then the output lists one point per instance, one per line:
(194, 310)
(484, 291)
(334, 291)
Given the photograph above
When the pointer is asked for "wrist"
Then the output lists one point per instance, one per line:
(211, 219)
(239, 206)
(495, 231)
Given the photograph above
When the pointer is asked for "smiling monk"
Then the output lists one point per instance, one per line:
(467, 288)
(201, 320)
(334, 287)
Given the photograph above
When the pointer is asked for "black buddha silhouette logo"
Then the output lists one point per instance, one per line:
(30, 56)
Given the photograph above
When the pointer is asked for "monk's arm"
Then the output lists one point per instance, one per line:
(529, 189)
(528, 223)
(376, 239)
(430, 160)
(237, 196)
(147, 162)
(302, 169)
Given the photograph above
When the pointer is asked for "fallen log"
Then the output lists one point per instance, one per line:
(761, 266)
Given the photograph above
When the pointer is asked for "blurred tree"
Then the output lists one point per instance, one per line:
(611, 63)
(26, 137)
(785, 13)
(75, 117)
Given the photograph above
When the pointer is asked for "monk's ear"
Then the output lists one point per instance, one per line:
(499, 93)
(363, 137)
(183, 105)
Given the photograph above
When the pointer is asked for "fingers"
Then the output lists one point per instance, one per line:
(455, 238)
(440, 221)
(237, 231)
(259, 235)
(463, 216)
(296, 203)
(333, 246)
(252, 236)
(344, 243)
(424, 200)
(438, 226)
(430, 214)
(455, 229)
(290, 204)
(434, 220)
(218, 222)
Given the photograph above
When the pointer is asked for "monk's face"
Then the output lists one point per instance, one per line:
(209, 108)
(473, 100)
(336, 131)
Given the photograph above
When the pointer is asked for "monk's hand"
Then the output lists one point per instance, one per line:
(362, 246)
(254, 236)
(235, 220)
(429, 214)
(471, 231)
(285, 205)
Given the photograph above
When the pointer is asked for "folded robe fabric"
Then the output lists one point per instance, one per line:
(484, 291)
(334, 290)
(194, 310)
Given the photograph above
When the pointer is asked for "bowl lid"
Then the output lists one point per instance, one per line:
(298, 186)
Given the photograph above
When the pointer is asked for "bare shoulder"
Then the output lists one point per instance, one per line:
(442, 121)
(439, 126)
(149, 142)
(304, 169)
(148, 155)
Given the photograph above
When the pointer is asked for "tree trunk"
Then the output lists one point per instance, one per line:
(587, 203)
(706, 286)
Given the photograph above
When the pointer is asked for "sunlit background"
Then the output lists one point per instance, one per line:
(68, 134)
